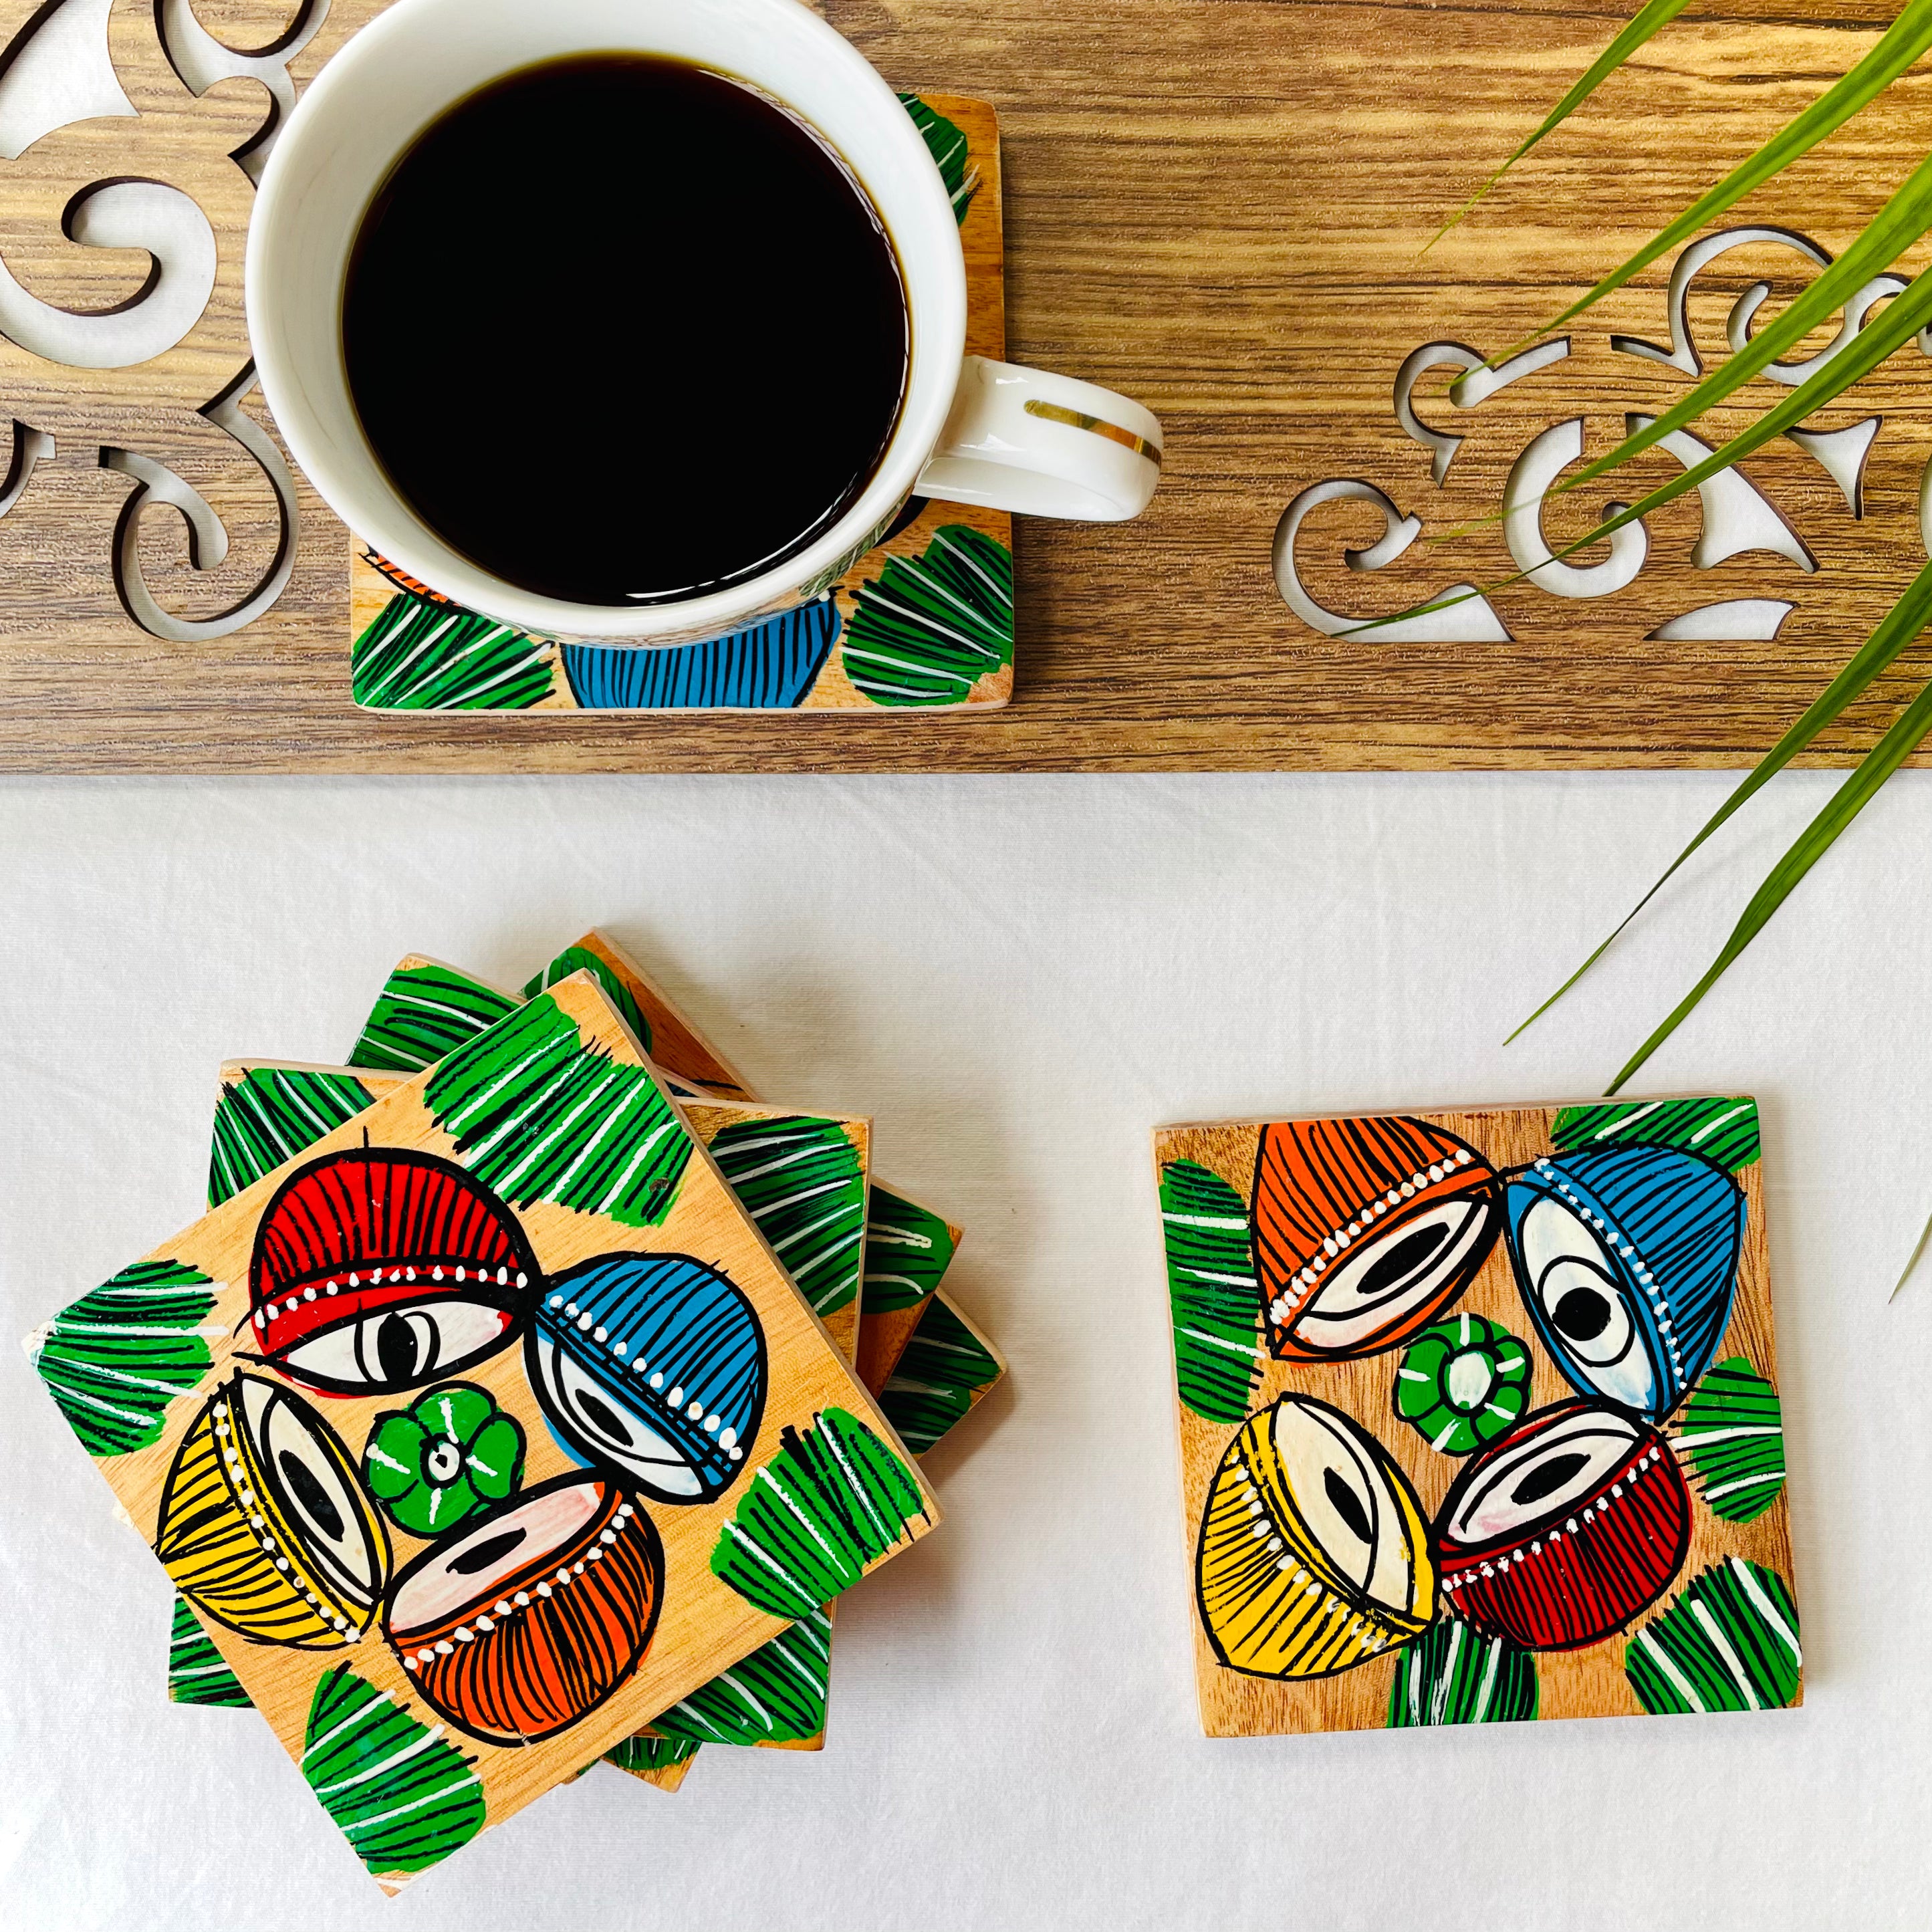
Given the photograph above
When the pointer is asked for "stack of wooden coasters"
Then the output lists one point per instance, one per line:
(527, 1396)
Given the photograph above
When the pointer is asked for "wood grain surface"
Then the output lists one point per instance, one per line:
(1218, 206)
(1587, 1682)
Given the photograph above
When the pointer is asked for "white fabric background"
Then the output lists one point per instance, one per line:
(1018, 977)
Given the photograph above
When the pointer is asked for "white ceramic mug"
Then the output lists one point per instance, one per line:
(969, 431)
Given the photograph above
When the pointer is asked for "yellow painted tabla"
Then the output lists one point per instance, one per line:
(265, 1524)
(1314, 1552)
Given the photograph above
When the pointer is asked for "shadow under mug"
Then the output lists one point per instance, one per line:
(970, 430)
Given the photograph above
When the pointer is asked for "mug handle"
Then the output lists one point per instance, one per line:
(1040, 445)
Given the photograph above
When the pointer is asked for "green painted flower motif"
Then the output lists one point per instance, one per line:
(434, 1465)
(1462, 1383)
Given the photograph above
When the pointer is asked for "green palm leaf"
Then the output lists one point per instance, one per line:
(1904, 317)
(1891, 232)
(1654, 16)
(1901, 625)
(908, 1249)
(114, 1359)
(402, 1795)
(268, 1116)
(420, 654)
(945, 1368)
(198, 1673)
(832, 1500)
(423, 1011)
(927, 629)
(539, 1115)
(1897, 48)
(1213, 1294)
(775, 1696)
(800, 1179)
(1845, 803)
(1904, 219)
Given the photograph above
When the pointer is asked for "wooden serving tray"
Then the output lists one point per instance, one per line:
(1218, 206)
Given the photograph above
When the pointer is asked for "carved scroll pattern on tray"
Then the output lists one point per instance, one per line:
(1737, 517)
(132, 133)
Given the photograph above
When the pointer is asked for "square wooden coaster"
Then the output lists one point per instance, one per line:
(923, 619)
(426, 1008)
(268, 1111)
(1479, 1416)
(432, 1673)
(802, 1178)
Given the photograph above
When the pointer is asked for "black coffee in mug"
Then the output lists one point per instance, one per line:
(623, 331)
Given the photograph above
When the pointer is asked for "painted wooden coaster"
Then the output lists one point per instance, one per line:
(923, 621)
(531, 1234)
(266, 1114)
(801, 1177)
(1479, 1416)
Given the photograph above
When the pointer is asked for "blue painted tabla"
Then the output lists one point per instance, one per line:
(1626, 1258)
(653, 1366)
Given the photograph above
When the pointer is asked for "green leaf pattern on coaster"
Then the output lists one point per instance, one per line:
(581, 959)
(1452, 1674)
(927, 629)
(832, 1500)
(943, 1369)
(1729, 1643)
(268, 1116)
(1732, 1432)
(449, 1455)
(642, 1752)
(540, 1115)
(1213, 1295)
(198, 1673)
(1722, 1130)
(951, 154)
(1463, 1381)
(775, 1696)
(908, 1249)
(801, 1181)
(400, 1793)
(423, 1013)
(422, 654)
(118, 1357)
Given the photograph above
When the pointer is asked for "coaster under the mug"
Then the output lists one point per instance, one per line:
(923, 621)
